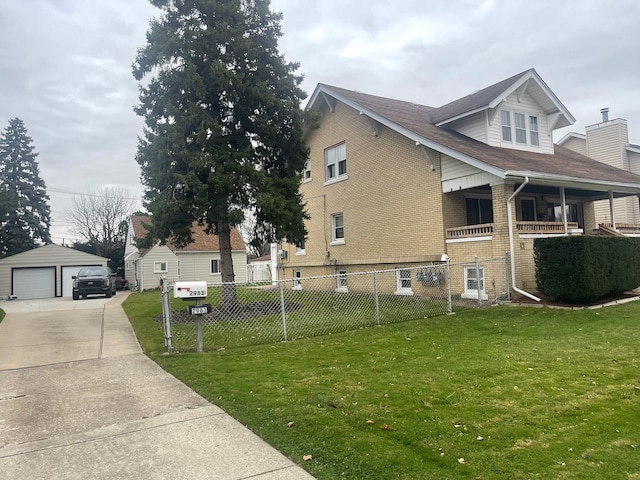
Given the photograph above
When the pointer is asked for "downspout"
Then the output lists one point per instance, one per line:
(512, 250)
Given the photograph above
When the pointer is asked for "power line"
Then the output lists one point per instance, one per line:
(95, 195)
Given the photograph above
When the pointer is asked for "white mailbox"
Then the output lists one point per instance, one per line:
(190, 290)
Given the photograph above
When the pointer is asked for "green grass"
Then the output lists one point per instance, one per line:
(551, 394)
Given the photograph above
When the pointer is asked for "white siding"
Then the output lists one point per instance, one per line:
(457, 175)
(474, 126)
(197, 266)
(527, 106)
(160, 253)
(578, 145)
(634, 162)
(607, 142)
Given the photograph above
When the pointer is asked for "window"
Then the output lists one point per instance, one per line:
(403, 282)
(479, 210)
(336, 162)
(337, 229)
(528, 207)
(474, 283)
(301, 250)
(554, 210)
(306, 176)
(215, 266)
(297, 280)
(533, 130)
(179, 268)
(521, 128)
(160, 267)
(506, 125)
(341, 281)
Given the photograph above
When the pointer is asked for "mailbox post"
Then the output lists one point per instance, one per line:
(194, 291)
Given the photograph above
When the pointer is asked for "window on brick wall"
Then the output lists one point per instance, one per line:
(336, 163)
(403, 282)
(337, 229)
(479, 210)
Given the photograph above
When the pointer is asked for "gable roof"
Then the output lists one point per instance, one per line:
(202, 241)
(416, 123)
(52, 250)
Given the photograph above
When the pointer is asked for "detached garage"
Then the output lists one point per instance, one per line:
(44, 272)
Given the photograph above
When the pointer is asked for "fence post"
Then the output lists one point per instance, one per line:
(376, 298)
(506, 271)
(199, 328)
(478, 281)
(449, 306)
(283, 310)
(166, 316)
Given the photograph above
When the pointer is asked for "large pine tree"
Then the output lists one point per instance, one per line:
(25, 215)
(224, 129)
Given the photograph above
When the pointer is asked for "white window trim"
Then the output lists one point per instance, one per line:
(473, 293)
(307, 168)
(334, 240)
(341, 274)
(157, 267)
(527, 128)
(300, 252)
(210, 269)
(297, 280)
(337, 176)
(400, 290)
(525, 118)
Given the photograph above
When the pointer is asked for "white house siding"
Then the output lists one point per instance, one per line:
(474, 126)
(578, 145)
(634, 162)
(147, 278)
(528, 106)
(457, 175)
(46, 256)
(607, 142)
(197, 266)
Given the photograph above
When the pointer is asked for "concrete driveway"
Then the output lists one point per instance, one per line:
(78, 400)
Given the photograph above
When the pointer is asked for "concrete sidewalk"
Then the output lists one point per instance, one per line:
(111, 413)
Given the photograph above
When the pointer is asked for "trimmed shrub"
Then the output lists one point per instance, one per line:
(583, 268)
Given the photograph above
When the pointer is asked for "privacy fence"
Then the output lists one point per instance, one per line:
(287, 310)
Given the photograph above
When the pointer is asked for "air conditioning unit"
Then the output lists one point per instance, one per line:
(283, 254)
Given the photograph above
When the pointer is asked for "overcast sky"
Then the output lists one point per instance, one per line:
(65, 67)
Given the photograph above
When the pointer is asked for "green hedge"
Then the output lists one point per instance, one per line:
(584, 268)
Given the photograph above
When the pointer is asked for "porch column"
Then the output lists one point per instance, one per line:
(612, 210)
(563, 199)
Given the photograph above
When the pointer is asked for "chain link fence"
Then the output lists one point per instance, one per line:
(284, 310)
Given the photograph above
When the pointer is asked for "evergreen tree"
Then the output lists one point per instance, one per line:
(27, 222)
(224, 129)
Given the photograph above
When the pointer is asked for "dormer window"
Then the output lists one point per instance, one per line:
(526, 130)
(506, 125)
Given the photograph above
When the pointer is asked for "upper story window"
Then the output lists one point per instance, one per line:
(533, 129)
(336, 162)
(521, 128)
(505, 115)
(306, 175)
(337, 229)
(526, 133)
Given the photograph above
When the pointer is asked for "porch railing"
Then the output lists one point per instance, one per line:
(544, 227)
(481, 230)
(627, 228)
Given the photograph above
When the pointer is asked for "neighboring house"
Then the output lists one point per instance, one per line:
(265, 268)
(199, 260)
(608, 142)
(392, 184)
(44, 272)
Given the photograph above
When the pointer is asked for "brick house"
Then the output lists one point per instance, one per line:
(393, 184)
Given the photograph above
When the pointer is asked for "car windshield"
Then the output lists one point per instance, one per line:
(93, 272)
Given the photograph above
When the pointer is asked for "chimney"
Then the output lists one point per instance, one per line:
(605, 114)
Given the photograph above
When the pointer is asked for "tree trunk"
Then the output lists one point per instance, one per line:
(229, 295)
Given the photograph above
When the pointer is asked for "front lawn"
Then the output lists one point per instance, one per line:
(493, 393)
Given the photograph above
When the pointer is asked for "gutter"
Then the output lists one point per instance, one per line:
(511, 248)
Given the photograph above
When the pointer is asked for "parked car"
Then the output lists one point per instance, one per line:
(94, 281)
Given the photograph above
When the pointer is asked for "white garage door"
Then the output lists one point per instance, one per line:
(34, 282)
(67, 281)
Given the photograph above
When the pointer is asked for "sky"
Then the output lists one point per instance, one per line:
(65, 67)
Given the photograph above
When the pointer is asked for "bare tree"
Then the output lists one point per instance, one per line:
(98, 217)
(257, 245)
